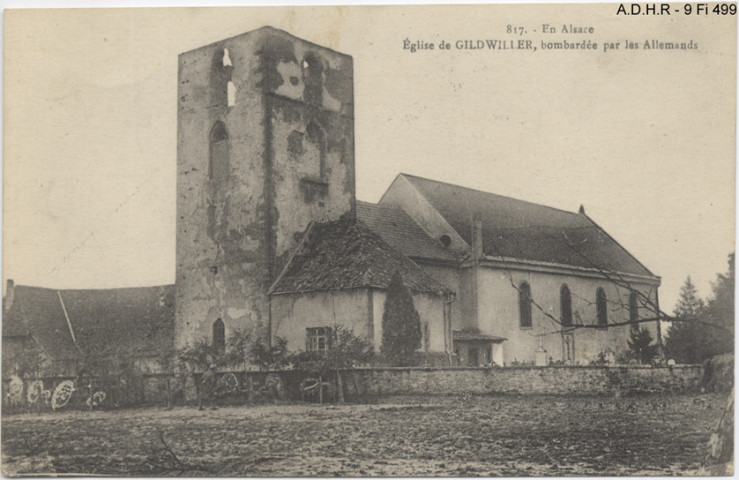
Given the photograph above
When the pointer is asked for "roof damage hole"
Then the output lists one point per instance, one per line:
(231, 93)
(226, 58)
(221, 71)
(294, 80)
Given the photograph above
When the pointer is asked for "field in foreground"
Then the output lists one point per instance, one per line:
(406, 436)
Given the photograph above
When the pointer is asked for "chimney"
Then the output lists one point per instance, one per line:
(582, 210)
(477, 239)
(9, 295)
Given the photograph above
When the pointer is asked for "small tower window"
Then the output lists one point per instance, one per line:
(312, 79)
(219, 335)
(601, 307)
(524, 304)
(318, 139)
(218, 168)
(445, 240)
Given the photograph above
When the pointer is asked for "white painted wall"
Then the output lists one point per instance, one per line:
(293, 313)
(499, 314)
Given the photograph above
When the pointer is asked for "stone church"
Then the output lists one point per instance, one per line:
(270, 232)
(271, 237)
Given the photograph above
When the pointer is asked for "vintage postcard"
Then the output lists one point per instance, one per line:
(398, 240)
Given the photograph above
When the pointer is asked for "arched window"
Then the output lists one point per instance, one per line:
(219, 335)
(565, 305)
(634, 311)
(524, 304)
(601, 307)
(313, 79)
(218, 166)
(318, 139)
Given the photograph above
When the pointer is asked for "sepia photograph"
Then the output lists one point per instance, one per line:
(486, 240)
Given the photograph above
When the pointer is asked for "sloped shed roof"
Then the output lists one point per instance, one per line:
(37, 312)
(401, 232)
(136, 321)
(519, 229)
(345, 255)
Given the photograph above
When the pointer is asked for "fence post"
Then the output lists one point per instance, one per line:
(169, 394)
(340, 386)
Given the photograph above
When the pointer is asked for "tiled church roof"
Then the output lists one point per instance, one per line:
(401, 232)
(523, 230)
(345, 255)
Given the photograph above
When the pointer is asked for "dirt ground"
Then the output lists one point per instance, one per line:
(400, 436)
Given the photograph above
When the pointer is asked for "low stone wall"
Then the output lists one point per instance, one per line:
(556, 380)
(358, 384)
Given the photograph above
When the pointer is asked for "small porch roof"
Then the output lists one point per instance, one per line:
(476, 336)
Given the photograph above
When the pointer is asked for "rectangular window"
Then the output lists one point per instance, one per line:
(318, 339)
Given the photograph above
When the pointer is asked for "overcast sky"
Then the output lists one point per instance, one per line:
(645, 139)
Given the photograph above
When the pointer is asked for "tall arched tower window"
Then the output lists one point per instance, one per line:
(524, 304)
(565, 305)
(218, 166)
(318, 139)
(634, 311)
(601, 307)
(219, 335)
(312, 79)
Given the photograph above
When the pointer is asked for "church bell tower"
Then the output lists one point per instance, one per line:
(265, 146)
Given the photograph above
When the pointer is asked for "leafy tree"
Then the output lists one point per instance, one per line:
(689, 305)
(699, 330)
(640, 344)
(720, 310)
(686, 339)
(201, 354)
(347, 350)
(401, 324)
(238, 347)
(269, 357)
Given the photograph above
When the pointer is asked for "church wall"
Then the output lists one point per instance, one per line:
(311, 182)
(292, 314)
(499, 314)
(462, 280)
(356, 309)
(456, 279)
